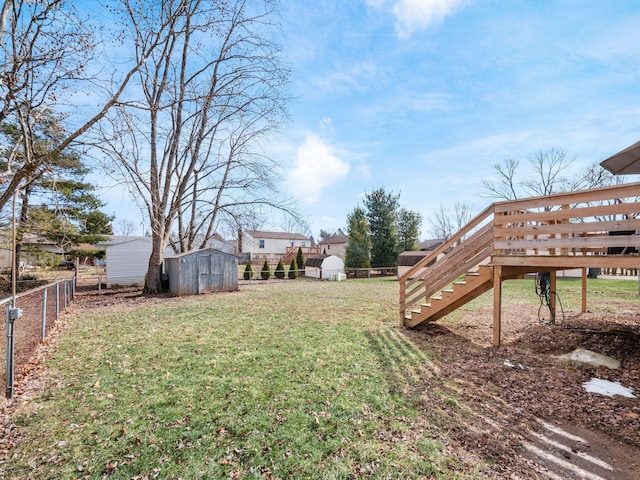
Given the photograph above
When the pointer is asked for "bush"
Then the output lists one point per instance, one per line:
(265, 273)
(279, 273)
(293, 269)
(300, 258)
(248, 273)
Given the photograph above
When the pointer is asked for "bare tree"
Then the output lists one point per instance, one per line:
(206, 97)
(448, 221)
(504, 187)
(46, 48)
(549, 172)
(124, 227)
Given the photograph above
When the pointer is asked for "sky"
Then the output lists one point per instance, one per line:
(423, 97)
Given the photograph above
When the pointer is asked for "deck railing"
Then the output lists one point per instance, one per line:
(590, 228)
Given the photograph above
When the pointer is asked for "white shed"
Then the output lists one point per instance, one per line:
(324, 267)
(127, 260)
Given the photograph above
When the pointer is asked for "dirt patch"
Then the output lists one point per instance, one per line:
(526, 410)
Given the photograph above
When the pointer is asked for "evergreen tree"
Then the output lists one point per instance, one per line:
(357, 250)
(381, 212)
(248, 272)
(293, 269)
(266, 272)
(409, 222)
(300, 259)
(279, 273)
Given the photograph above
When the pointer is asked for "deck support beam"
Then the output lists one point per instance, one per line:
(584, 290)
(497, 304)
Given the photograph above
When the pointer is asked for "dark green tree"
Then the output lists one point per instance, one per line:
(300, 258)
(293, 269)
(409, 223)
(279, 272)
(265, 273)
(359, 245)
(381, 212)
(248, 273)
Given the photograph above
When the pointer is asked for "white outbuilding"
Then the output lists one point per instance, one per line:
(324, 267)
(127, 260)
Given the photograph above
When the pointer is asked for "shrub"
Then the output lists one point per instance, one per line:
(300, 258)
(265, 273)
(279, 273)
(293, 269)
(248, 273)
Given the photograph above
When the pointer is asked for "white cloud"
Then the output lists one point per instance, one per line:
(316, 168)
(354, 77)
(417, 15)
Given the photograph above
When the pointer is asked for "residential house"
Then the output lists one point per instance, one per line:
(257, 246)
(334, 245)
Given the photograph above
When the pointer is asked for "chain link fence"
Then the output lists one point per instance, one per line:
(23, 332)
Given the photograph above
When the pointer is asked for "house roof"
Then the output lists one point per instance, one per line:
(430, 244)
(276, 235)
(625, 162)
(335, 239)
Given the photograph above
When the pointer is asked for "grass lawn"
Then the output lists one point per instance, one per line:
(294, 379)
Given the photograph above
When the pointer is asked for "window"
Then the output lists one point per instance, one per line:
(292, 242)
(261, 243)
(304, 244)
(329, 247)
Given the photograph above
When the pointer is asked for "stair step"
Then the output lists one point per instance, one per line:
(461, 283)
(447, 290)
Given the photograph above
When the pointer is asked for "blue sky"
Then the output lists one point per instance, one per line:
(423, 97)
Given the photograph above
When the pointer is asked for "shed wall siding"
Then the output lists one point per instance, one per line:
(127, 263)
(202, 272)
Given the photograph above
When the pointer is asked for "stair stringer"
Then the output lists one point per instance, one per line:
(474, 285)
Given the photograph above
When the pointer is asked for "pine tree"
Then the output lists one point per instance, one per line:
(248, 272)
(381, 211)
(357, 251)
(279, 273)
(300, 258)
(293, 269)
(266, 272)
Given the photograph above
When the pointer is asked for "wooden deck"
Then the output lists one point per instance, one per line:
(589, 229)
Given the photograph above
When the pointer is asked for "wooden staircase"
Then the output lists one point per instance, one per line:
(574, 230)
(449, 299)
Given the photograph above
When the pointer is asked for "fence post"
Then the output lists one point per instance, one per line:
(44, 313)
(12, 315)
(57, 299)
(9, 381)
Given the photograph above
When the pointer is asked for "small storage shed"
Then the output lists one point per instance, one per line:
(324, 267)
(127, 259)
(202, 271)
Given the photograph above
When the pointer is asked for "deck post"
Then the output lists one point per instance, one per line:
(552, 297)
(584, 289)
(497, 304)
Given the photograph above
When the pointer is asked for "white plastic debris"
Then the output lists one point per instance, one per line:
(588, 357)
(605, 387)
(510, 364)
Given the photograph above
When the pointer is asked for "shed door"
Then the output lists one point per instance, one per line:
(204, 273)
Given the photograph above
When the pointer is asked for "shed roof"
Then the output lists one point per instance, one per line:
(204, 250)
(410, 258)
(625, 162)
(316, 260)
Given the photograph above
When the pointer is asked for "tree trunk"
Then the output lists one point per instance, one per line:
(153, 280)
